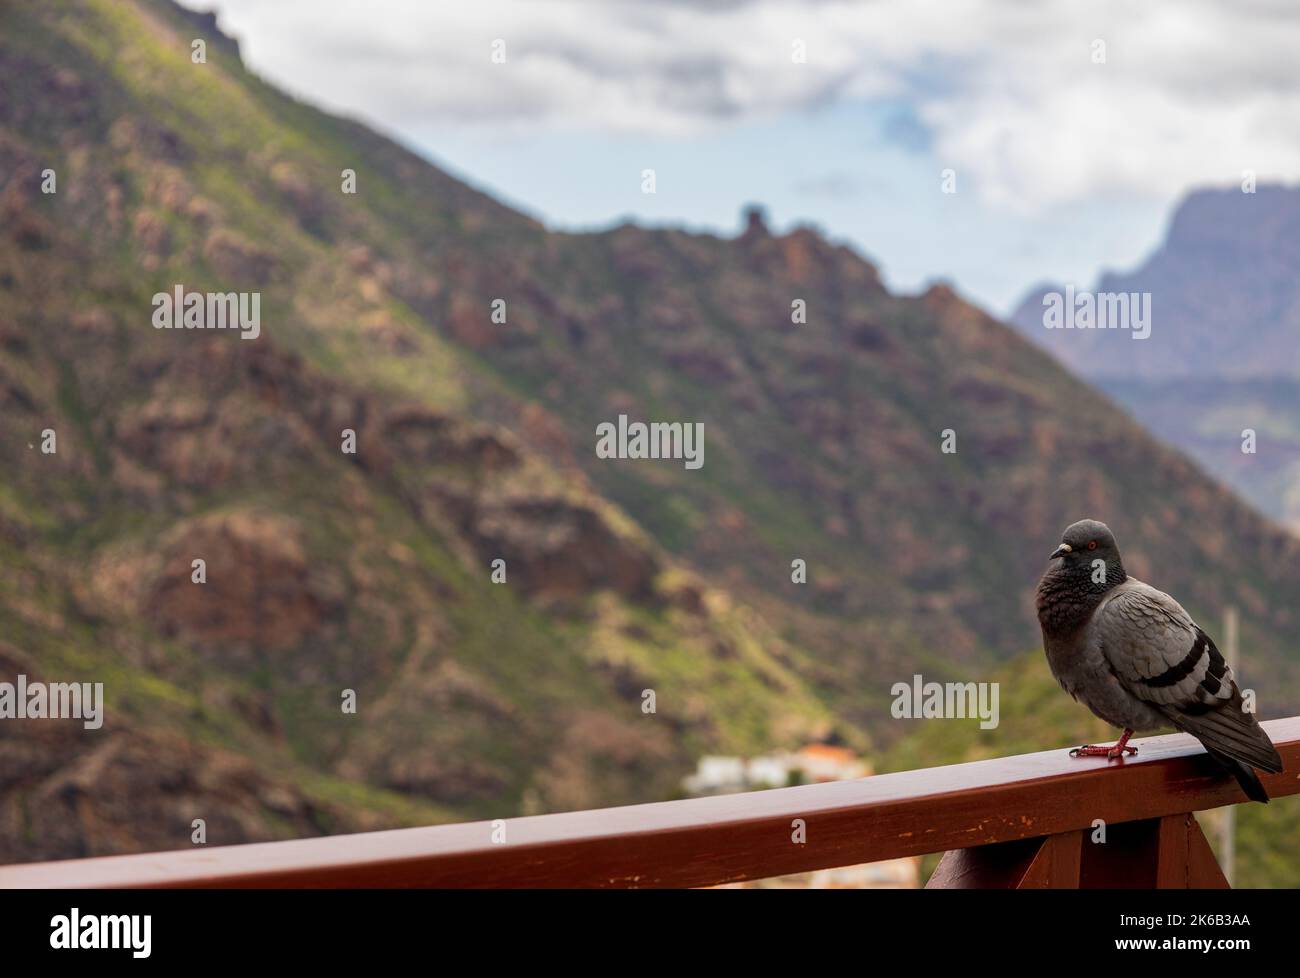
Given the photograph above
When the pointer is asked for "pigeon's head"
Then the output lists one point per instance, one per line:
(1086, 542)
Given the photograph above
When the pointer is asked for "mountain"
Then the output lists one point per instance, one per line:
(1225, 301)
(648, 613)
(1207, 419)
(1222, 355)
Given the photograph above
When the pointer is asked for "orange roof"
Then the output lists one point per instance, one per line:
(828, 752)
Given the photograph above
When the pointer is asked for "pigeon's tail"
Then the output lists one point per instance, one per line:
(1234, 738)
(1244, 773)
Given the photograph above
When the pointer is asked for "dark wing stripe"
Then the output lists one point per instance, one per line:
(1212, 682)
(1218, 665)
(1183, 669)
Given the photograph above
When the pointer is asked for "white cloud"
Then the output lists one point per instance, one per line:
(1192, 91)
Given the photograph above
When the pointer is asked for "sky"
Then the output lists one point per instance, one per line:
(1072, 127)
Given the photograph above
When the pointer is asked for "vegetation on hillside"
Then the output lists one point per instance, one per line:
(371, 572)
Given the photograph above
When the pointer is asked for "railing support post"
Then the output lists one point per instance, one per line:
(1155, 853)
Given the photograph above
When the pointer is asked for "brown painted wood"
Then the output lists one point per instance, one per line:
(998, 866)
(1164, 853)
(1203, 870)
(1051, 862)
(705, 841)
(1185, 858)
(1125, 859)
(1171, 851)
(1056, 867)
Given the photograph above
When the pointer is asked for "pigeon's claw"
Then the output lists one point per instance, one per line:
(1120, 751)
(1091, 750)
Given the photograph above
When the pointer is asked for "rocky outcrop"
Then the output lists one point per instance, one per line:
(560, 552)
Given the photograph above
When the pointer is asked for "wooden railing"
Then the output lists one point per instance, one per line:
(1012, 821)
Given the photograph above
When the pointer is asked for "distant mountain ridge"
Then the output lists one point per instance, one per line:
(1225, 294)
(1223, 356)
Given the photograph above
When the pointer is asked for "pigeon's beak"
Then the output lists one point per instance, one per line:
(1061, 551)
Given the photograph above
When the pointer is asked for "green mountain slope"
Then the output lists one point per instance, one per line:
(325, 571)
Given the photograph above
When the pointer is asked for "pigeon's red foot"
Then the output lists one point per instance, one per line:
(1119, 749)
(1101, 750)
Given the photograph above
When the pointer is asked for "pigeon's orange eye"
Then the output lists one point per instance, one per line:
(1092, 544)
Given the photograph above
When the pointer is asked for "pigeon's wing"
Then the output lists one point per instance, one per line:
(1164, 658)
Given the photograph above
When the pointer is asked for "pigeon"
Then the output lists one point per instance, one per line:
(1133, 656)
